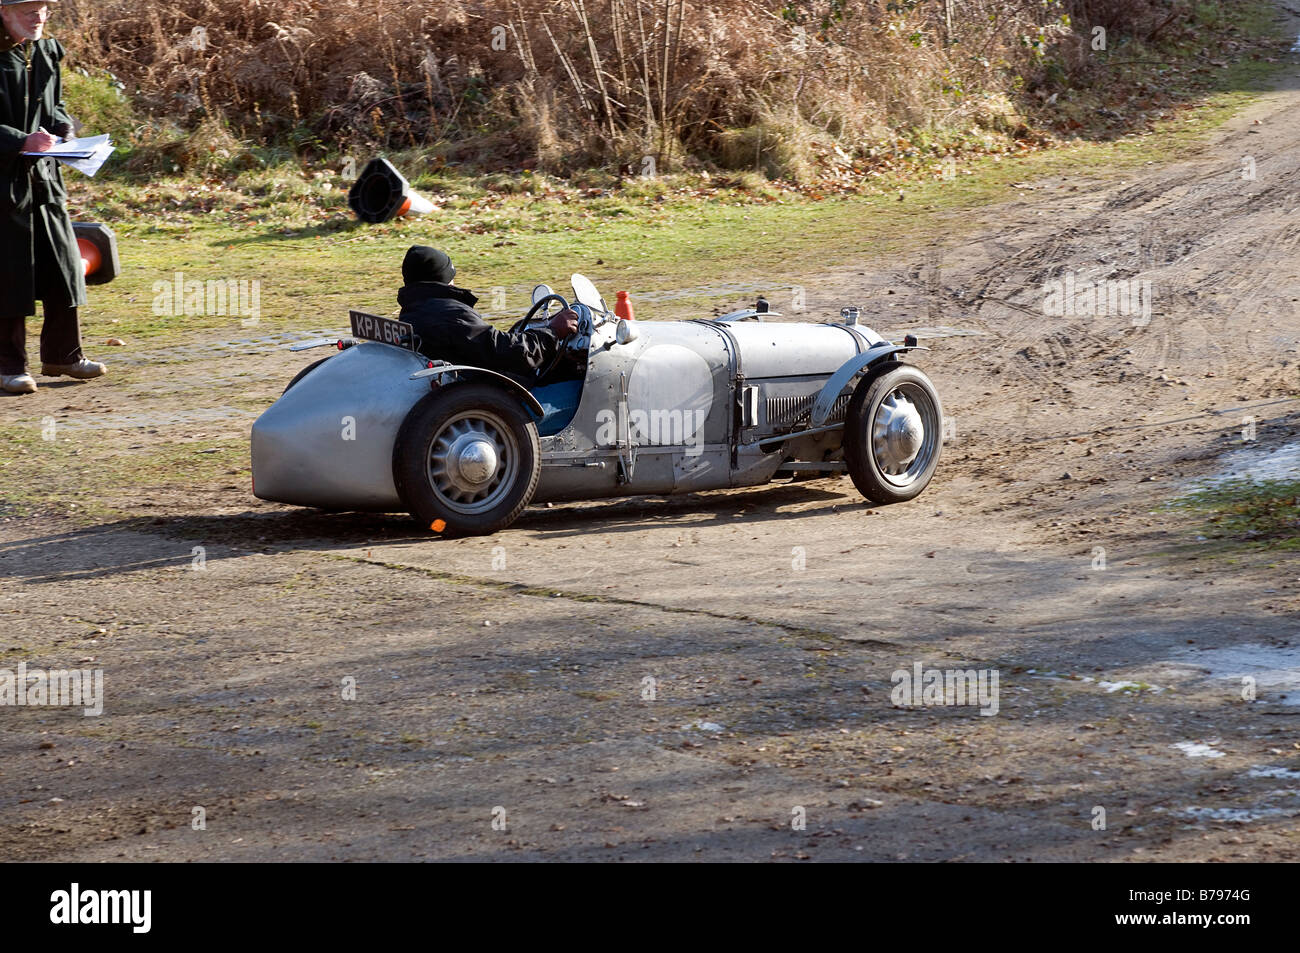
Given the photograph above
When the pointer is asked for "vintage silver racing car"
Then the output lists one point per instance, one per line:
(630, 407)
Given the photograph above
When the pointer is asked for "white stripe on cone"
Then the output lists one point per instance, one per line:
(415, 204)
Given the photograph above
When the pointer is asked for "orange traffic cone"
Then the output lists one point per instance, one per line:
(98, 249)
(382, 193)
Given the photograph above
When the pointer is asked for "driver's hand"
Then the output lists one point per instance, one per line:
(565, 324)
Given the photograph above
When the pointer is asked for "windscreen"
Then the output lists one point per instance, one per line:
(586, 292)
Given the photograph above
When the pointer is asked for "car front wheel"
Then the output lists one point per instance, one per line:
(893, 434)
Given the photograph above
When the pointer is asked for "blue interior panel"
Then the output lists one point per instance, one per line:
(560, 403)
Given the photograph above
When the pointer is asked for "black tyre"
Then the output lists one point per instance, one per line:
(467, 460)
(893, 434)
(303, 373)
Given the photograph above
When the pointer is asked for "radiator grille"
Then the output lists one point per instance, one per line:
(788, 411)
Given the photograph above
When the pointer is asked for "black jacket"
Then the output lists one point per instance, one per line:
(32, 196)
(451, 330)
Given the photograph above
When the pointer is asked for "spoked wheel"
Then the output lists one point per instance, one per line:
(893, 435)
(467, 460)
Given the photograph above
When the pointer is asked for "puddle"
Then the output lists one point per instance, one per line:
(1195, 749)
(1240, 815)
(1233, 815)
(703, 726)
(944, 331)
(1109, 688)
(1256, 464)
(724, 289)
(1112, 687)
(1273, 669)
(210, 350)
(162, 419)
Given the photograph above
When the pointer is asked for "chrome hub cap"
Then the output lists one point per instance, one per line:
(898, 433)
(473, 461)
(904, 434)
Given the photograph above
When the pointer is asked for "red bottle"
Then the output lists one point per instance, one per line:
(623, 307)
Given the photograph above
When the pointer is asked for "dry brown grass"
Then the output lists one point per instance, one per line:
(790, 87)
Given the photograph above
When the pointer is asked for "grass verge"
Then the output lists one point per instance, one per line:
(1248, 516)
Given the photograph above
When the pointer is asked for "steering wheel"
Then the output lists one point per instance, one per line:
(523, 322)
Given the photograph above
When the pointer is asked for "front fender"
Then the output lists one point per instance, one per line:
(468, 371)
(850, 369)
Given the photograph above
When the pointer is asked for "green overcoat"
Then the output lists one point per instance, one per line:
(33, 211)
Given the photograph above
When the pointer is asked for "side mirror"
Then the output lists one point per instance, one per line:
(540, 292)
(626, 332)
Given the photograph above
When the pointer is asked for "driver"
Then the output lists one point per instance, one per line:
(451, 330)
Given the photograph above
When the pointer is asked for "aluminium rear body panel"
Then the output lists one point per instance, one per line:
(329, 441)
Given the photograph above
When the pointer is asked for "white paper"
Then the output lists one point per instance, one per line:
(89, 166)
(84, 155)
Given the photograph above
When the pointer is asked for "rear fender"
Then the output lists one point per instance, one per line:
(469, 372)
(858, 364)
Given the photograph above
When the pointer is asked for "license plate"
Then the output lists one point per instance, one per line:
(371, 327)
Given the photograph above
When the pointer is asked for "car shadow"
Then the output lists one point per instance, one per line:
(631, 514)
(116, 547)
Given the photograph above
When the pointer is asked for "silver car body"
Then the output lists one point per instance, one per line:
(683, 406)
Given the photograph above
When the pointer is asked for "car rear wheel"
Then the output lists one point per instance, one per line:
(303, 373)
(893, 434)
(467, 460)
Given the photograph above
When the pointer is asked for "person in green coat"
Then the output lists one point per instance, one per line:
(40, 260)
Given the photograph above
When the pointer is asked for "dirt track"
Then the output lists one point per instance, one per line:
(522, 687)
